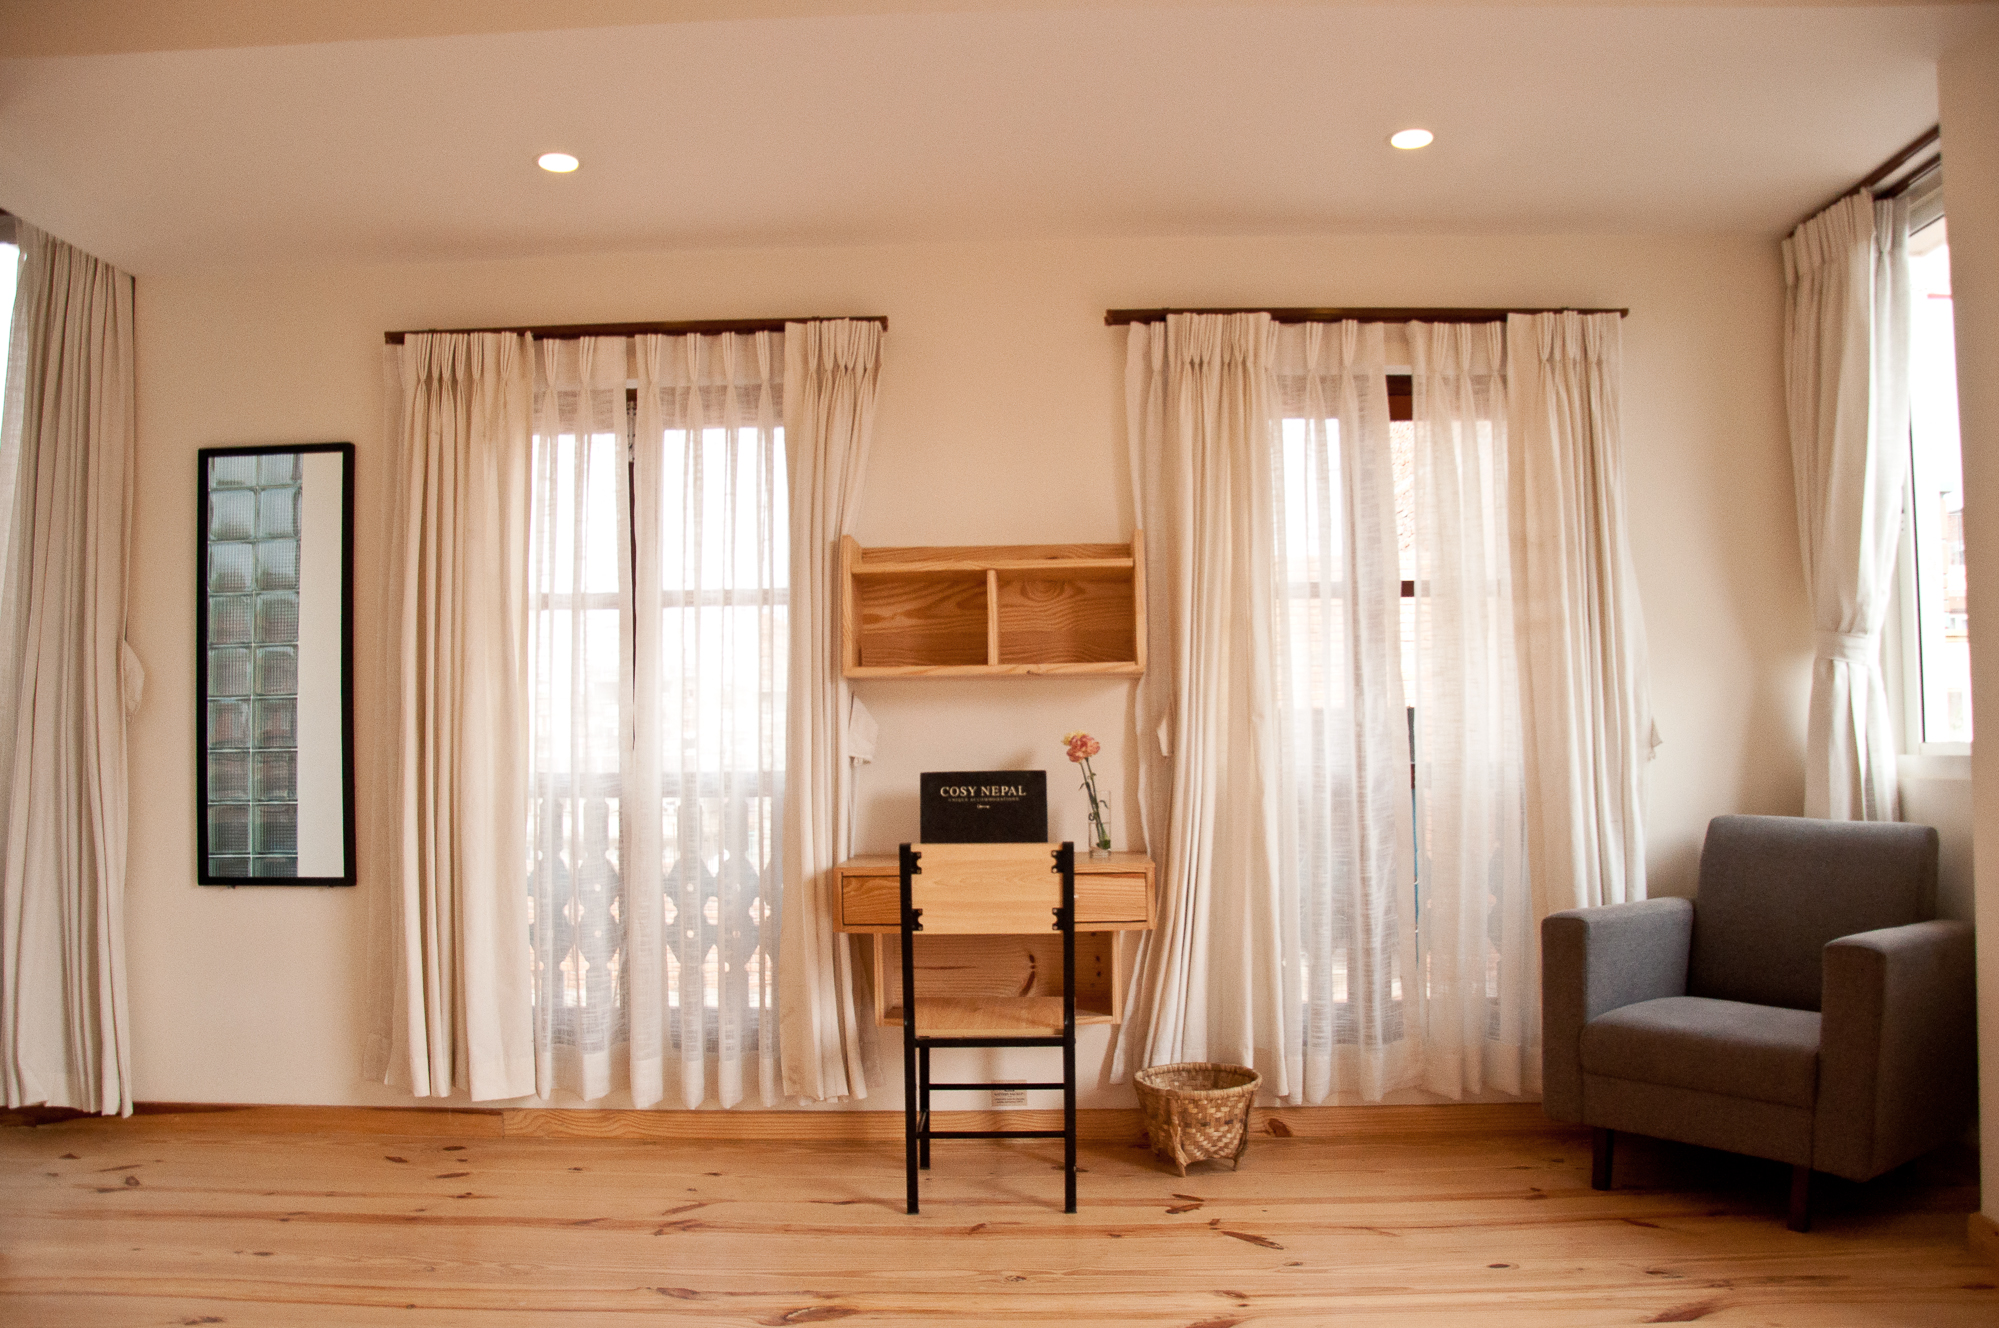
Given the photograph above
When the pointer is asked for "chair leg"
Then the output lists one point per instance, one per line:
(1603, 1143)
(1801, 1199)
(1065, 863)
(923, 1111)
(911, 1125)
(909, 1115)
(1069, 1121)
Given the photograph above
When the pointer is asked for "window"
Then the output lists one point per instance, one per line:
(10, 273)
(1401, 753)
(1936, 645)
(658, 658)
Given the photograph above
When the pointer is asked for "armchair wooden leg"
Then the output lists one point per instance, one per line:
(1801, 1199)
(1602, 1144)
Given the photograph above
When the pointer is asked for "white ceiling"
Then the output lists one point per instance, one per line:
(940, 123)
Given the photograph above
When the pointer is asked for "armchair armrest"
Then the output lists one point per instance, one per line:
(1897, 1046)
(1594, 960)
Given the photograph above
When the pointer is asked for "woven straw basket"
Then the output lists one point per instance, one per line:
(1197, 1110)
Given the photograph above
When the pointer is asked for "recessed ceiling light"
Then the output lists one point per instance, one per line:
(559, 162)
(1411, 139)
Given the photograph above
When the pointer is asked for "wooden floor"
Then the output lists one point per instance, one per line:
(1407, 1216)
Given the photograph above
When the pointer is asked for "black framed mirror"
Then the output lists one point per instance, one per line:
(274, 694)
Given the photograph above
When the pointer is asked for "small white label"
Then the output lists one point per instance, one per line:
(1010, 1097)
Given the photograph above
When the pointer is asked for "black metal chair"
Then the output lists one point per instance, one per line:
(985, 889)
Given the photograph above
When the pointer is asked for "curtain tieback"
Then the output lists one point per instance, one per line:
(1852, 647)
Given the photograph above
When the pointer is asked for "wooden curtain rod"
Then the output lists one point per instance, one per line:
(1120, 317)
(572, 331)
(1908, 182)
(1930, 138)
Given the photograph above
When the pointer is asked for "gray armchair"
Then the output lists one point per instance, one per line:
(1805, 1007)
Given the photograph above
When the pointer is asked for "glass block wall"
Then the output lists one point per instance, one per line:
(253, 553)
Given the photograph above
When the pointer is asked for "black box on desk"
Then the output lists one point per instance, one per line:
(985, 807)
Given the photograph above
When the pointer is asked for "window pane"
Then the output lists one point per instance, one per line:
(1402, 439)
(10, 269)
(1937, 495)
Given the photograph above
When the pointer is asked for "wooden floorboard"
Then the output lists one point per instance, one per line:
(1437, 1215)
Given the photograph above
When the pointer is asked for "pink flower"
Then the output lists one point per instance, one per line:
(1081, 746)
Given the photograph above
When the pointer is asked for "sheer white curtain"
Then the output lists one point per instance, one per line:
(1209, 982)
(713, 658)
(67, 680)
(581, 807)
(832, 371)
(461, 1005)
(1586, 716)
(659, 667)
(1479, 995)
(1342, 732)
(1320, 917)
(1846, 356)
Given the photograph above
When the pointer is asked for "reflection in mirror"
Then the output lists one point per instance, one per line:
(274, 694)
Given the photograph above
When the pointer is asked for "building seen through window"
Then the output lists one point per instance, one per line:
(1940, 660)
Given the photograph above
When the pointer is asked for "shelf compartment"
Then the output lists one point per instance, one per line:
(1002, 986)
(1035, 1016)
(933, 619)
(1074, 616)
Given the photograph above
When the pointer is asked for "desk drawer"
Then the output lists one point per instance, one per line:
(1110, 897)
(1102, 899)
(870, 901)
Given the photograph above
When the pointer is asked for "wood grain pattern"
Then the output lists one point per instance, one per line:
(984, 1017)
(1114, 1126)
(982, 889)
(1105, 901)
(888, 864)
(1475, 1216)
(927, 620)
(1040, 609)
(953, 560)
(988, 952)
(992, 618)
(1384, 1126)
(988, 555)
(1063, 619)
(997, 971)
(1982, 1234)
(1122, 670)
(1138, 628)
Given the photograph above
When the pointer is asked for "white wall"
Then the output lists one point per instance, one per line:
(1968, 87)
(1000, 422)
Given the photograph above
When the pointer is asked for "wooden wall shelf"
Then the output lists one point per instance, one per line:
(993, 610)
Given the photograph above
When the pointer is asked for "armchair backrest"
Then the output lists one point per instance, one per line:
(1775, 889)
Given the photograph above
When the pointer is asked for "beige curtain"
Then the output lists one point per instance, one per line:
(67, 680)
(1585, 710)
(830, 376)
(1347, 867)
(462, 989)
(1846, 355)
(1206, 987)
(1479, 1009)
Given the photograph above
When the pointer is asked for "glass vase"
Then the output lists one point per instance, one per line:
(1100, 826)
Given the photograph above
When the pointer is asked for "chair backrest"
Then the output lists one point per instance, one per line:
(987, 889)
(1775, 889)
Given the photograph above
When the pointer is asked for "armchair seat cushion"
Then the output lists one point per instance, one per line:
(1765, 1053)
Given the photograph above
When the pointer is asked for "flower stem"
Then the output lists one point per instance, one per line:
(1099, 832)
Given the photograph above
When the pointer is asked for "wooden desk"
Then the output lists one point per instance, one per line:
(1003, 985)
